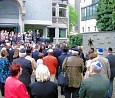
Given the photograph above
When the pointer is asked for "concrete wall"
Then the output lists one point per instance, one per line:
(99, 40)
(39, 10)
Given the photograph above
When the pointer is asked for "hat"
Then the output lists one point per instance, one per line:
(50, 50)
(100, 50)
(96, 66)
(75, 49)
(22, 52)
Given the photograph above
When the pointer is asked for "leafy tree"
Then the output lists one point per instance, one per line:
(75, 40)
(106, 15)
(72, 17)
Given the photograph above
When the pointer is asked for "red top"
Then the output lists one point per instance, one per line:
(15, 88)
(51, 62)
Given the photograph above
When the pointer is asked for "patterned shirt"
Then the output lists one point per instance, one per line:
(4, 69)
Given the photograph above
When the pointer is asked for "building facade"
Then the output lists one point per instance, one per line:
(50, 18)
(88, 9)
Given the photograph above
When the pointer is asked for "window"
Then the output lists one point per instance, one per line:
(95, 28)
(88, 29)
(51, 32)
(83, 14)
(82, 29)
(62, 10)
(62, 33)
(89, 12)
(95, 1)
(54, 9)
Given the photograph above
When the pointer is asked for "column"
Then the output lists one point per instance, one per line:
(45, 32)
(20, 22)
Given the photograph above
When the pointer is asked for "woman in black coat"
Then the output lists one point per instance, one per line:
(43, 88)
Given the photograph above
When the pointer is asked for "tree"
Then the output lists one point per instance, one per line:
(106, 15)
(72, 17)
(75, 40)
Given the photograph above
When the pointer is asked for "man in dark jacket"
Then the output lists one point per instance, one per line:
(111, 59)
(60, 61)
(25, 77)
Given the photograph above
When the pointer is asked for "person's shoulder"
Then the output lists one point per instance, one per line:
(52, 83)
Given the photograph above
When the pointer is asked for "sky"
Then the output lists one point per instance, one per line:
(71, 2)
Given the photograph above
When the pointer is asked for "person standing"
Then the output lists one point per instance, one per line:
(73, 66)
(43, 88)
(4, 70)
(105, 72)
(14, 88)
(25, 77)
(95, 86)
(60, 62)
(51, 62)
(37, 36)
(111, 59)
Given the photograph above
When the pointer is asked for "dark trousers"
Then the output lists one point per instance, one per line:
(2, 88)
(71, 91)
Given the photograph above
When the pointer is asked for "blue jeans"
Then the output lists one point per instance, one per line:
(73, 91)
(110, 91)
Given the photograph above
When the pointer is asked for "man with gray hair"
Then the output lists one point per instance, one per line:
(105, 72)
(95, 86)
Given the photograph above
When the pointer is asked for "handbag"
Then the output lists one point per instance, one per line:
(63, 78)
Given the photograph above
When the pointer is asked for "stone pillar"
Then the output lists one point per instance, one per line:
(20, 22)
(45, 32)
(57, 34)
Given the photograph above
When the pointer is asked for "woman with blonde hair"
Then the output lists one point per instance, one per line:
(43, 83)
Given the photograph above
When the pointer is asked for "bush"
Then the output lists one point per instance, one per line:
(75, 40)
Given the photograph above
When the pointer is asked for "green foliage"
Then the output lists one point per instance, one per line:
(75, 40)
(106, 15)
(72, 17)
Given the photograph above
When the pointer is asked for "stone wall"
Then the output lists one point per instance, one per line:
(39, 10)
(98, 40)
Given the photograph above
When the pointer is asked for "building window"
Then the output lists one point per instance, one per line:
(54, 9)
(95, 1)
(83, 14)
(62, 10)
(89, 12)
(95, 28)
(88, 29)
(62, 33)
(51, 32)
(82, 29)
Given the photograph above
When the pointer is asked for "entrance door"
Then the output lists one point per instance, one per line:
(9, 29)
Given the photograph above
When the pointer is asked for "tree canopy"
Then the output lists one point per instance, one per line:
(106, 15)
(73, 16)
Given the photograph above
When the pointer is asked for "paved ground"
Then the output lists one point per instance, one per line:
(60, 96)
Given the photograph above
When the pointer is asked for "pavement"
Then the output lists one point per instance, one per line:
(61, 96)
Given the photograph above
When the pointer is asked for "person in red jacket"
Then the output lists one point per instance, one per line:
(14, 88)
(51, 62)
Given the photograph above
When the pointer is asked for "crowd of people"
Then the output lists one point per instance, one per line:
(29, 69)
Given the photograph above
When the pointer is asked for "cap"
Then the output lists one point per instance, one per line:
(100, 50)
(50, 50)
